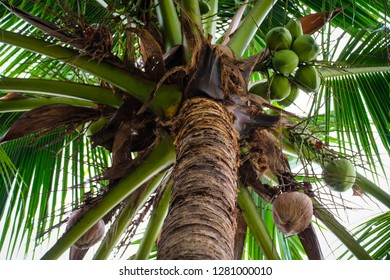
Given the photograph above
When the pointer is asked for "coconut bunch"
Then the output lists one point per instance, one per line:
(291, 69)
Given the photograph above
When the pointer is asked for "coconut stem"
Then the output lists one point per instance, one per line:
(256, 224)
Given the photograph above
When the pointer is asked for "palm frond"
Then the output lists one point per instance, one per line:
(40, 193)
(356, 14)
(356, 86)
(374, 235)
(80, 14)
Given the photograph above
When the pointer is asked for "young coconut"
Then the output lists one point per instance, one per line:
(292, 212)
(278, 38)
(291, 97)
(339, 175)
(204, 7)
(261, 88)
(306, 48)
(90, 238)
(285, 61)
(295, 28)
(308, 78)
(280, 87)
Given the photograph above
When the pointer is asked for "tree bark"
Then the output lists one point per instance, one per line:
(201, 221)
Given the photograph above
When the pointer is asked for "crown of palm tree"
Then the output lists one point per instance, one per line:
(90, 102)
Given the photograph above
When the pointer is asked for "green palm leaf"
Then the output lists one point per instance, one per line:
(356, 83)
(374, 235)
(48, 173)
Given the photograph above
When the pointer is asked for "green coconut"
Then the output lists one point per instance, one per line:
(261, 88)
(285, 61)
(339, 175)
(280, 87)
(306, 48)
(308, 78)
(291, 97)
(204, 7)
(278, 38)
(295, 28)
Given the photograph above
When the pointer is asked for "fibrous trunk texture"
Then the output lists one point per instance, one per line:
(201, 220)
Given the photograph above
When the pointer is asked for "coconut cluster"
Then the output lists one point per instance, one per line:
(292, 54)
(292, 212)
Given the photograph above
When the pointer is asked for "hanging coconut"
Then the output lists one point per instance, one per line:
(295, 28)
(204, 7)
(291, 97)
(308, 78)
(88, 239)
(306, 48)
(261, 88)
(339, 175)
(280, 87)
(285, 61)
(292, 212)
(278, 38)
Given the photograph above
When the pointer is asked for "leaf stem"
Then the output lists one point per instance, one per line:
(327, 72)
(159, 159)
(372, 189)
(191, 7)
(210, 20)
(21, 105)
(339, 230)
(155, 224)
(165, 98)
(125, 218)
(169, 22)
(96, 94)
(256, 224)
(247, 29)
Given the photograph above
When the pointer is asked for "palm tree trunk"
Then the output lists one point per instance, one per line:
(201, 221)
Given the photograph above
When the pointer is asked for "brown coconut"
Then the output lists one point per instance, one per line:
(92, 236)
(292, 212)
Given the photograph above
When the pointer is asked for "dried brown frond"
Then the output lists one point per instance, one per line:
(12, 96)
(48, 118)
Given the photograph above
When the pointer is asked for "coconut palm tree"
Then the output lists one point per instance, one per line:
(124, 112)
